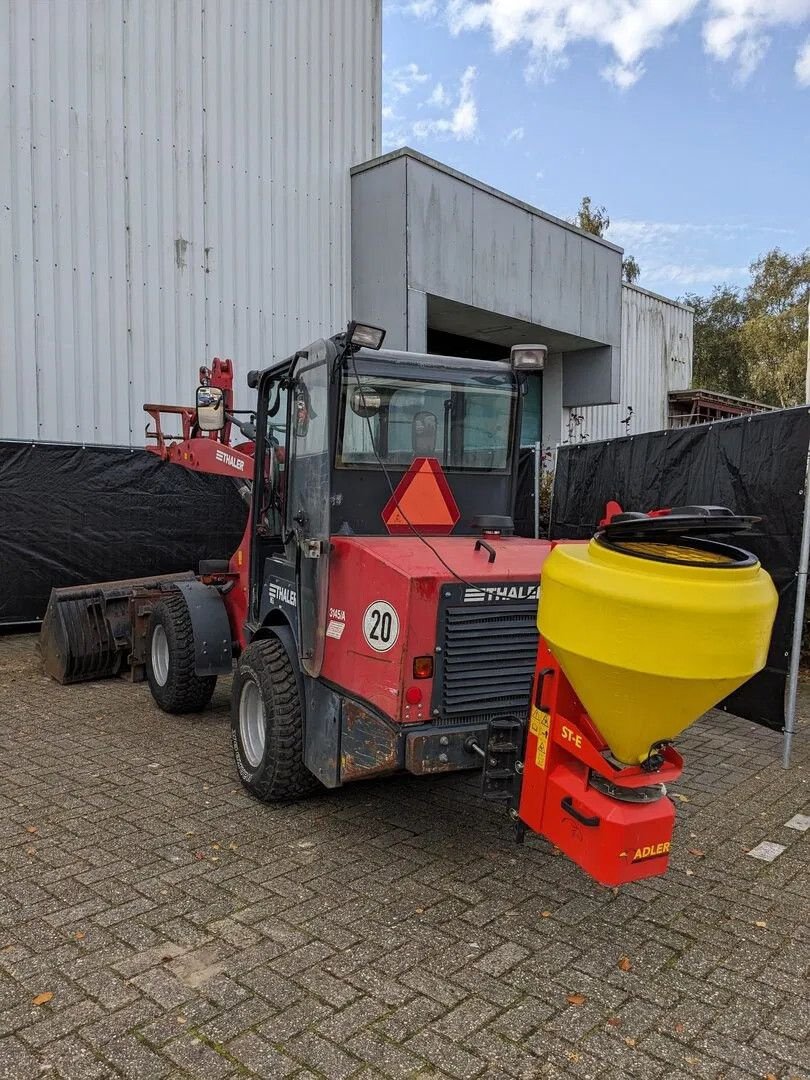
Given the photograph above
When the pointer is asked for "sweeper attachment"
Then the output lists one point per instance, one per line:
(642, 630)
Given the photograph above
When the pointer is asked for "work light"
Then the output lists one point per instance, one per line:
(365, 337)
(528, 357)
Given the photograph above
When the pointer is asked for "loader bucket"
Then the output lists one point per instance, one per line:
(86, 632)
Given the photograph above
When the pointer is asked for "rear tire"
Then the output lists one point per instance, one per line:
(170, 659)
(267, 725)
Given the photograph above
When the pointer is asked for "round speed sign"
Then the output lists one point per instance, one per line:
(380, 626)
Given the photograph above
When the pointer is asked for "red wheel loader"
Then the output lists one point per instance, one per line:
(383, 615)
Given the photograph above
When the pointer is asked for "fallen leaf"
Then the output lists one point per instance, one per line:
(625, 963)
(31, 851)
(692, 1060)
(545, 914)
(629, 1041)
(762, 924)
(690, 873)
(681, 798)
(576, 999)
(199, 854)
(771, 1076)
(42, 999)
(31, 829)
(419, 911)
(697, 853)
(572, 1055)
(215, 846)
(232, 846)
(180, 1019)
(6, 948)
(680, 1028)
(79, 935)
(614, 1021)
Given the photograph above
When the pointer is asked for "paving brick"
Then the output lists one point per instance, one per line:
(17, 1062)
(261, 1058)
(323, 1056)
(388, 930)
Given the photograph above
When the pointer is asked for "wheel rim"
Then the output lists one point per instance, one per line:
(251, 723)
(160, 656)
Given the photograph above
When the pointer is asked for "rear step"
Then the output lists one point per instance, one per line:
(87, 630)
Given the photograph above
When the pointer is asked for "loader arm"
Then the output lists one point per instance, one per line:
(202, 451)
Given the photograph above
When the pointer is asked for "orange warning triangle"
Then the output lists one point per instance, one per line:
(423, 499)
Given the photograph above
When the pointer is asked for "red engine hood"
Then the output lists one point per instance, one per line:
(515, 556)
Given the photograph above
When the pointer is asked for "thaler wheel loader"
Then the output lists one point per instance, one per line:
(384, 617)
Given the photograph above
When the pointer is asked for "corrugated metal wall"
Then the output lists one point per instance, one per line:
(656, 358)
(174, 185)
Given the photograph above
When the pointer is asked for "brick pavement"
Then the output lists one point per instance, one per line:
(387, 930)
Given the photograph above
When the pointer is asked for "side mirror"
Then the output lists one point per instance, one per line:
(365, 401)
(210, 408)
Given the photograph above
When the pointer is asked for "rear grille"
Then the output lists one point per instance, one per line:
(488, 660)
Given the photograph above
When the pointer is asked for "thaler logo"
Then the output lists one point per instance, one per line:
(500, 592)
(282, 594)
(230, 459)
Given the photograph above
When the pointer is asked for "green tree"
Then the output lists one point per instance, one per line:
(774, 336)
(590, 218)
(630, 270)
(718, 362)
(752, 342)
(596, 221)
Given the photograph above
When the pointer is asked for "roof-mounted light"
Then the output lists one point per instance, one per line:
(364, 337)
(528, 357)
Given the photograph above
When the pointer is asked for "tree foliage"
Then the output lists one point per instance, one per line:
(596, 221)
(752, 342)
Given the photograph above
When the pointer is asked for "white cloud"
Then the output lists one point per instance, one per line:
(462, 121)
(802, 68)
(457, 113)
(515, 135)
(401, 81)
(439, 98)
(736, 31)
(692, 273)
(422, 9)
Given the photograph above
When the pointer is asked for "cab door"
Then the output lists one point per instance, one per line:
(309, 495)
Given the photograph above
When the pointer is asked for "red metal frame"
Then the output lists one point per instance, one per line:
(211, 452)
(614, 841)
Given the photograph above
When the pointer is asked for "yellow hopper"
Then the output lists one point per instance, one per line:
(651, 633)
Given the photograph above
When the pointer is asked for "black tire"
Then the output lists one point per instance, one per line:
(274, 769)
(177, 689)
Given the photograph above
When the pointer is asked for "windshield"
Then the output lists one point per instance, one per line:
(466, 423)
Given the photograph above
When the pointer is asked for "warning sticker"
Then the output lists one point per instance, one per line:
(335, 629)
(539, 726)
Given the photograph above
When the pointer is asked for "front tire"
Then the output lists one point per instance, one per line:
(170, 659)
(267, 725)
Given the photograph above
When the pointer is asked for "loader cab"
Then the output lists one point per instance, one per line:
(338, 430)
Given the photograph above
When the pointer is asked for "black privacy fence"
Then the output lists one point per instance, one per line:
(753, 465)
(72, 515)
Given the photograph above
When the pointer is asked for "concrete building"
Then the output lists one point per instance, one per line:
(194, 178)
(450, 265)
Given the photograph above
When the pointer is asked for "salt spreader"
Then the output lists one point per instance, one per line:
(642, 630)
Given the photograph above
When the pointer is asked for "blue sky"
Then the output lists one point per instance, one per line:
(689, 120)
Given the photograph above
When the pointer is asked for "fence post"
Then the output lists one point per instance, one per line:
(798, 623)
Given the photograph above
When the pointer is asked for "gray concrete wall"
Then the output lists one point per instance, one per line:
(420, 229)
